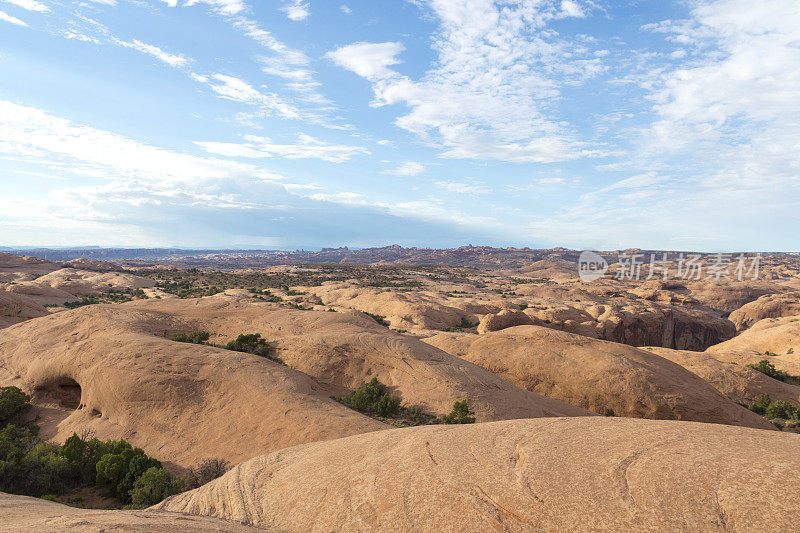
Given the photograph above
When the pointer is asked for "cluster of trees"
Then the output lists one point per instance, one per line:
(374, 399)
(32, 467)
(777, 412)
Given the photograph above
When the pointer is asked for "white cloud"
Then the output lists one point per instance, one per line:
(30, 5)
(570, 8)
(409, 168)
(224, 7)
(232, 88)
(460, 187)
(369, 60)
(496, 77)
(80, 149)
(262, 147)
(732, 108)
(296, 10)
(13, 20)
(175, 60)
(346, 10)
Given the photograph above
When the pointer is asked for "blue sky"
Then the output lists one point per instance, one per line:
(310, 123)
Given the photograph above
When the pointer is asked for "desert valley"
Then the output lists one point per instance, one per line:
(470, 389)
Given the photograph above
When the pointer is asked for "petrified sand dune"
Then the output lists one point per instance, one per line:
(41, 293)
(344, 349)
(16, 308)
(402, 310)
(597, 375)
(20, 268)
(777, 335)
(21, 513)
(86, 282)
(739, 383)
(109, 368)
(770, 306)
(101, 368)
(504, 319)
(555, 475)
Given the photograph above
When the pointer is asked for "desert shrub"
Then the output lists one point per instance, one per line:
(17, 439)
(416, 416)
(371, 397)
(460, 414)
(610, 412)
(40, 470)
(120, 468)
(387, 406)
(781, 409)
(380, 319)
(760, 405)
(195, 337)
(12, 402)
(208, 470)
(153, 485)
(768, 369)
(251, 343)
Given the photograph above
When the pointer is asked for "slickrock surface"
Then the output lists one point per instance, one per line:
(21, 513)
(739, 383)
(770, 306)
(102, 368)
(555, 475)
(113, 369)
(16, 308)
(597, 375)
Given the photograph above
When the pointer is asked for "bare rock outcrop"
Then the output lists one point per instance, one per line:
(556, 475)
(102, 368)
(597, 375)
(502, 320)
(737, 382)
(113, 369)
(16, 308)
(22, 513)
(770, 306)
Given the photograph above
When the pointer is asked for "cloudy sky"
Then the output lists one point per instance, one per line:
(309, 123)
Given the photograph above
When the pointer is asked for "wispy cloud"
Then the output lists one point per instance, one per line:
(174, 60)
(409, 168)
(13, 20)
(30, 5)
(262, 147)
(461, 187)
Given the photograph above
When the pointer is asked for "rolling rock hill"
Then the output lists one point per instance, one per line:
(538, 355)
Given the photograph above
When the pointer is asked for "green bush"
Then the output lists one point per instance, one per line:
(195, 337)
(12, 402)
(251, 343)
(768, 369)
(371, 397)
(387, 406)
(154, 485)
(122, 467)
(781, 409)
(610, 412)
(39, 471)
(460, 414)
(760, 405)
